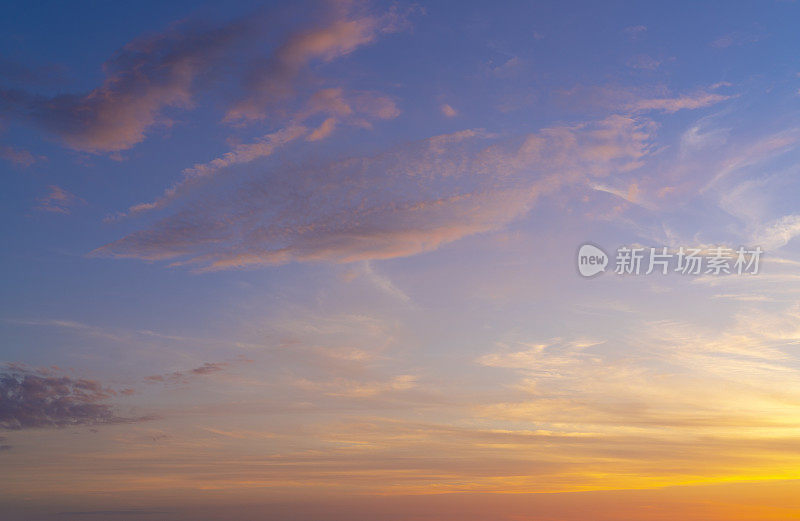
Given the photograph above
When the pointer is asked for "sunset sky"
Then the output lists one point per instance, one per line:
(316, 261)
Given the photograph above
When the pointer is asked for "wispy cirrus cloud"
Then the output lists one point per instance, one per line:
(403, 202)
(358, 109)
(674, 104)
(778, 232)
(559, 382)
(265, 146)
(641, 99)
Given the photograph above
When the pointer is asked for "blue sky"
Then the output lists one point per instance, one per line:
(330, 248)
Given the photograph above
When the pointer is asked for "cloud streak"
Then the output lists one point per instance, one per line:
(403, 202)
(358, 109)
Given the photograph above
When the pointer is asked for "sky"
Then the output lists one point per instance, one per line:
(318, 260)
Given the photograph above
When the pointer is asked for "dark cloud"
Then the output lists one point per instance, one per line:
(41, 399)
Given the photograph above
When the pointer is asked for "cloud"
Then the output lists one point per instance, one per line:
(687, 378)
(357, 108)
(58, 200)
(509, 68)
(341, 387)
(383, 283)
(449, 111)
(736, 39)
(31, 399)
(145, 77)
(183, 376)
(702, 135)
(341, 107)
(674, 104)
(323, 131)
(635, 100)
(155, 73)
(779, 232)
(635, 31)
(403, 202)
(272, 79)
(644, 62)
(265, 146)
(753, 153)
(18, 156)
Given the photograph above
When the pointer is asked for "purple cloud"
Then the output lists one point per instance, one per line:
(31, 399)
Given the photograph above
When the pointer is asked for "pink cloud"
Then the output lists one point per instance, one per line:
(242, 153)
(449, 111)
(643, 99)
(273, 79)
(152, 74)
(145, 77)
(403, 202)
(674, 104)
(323, 131)
(58, 200)
(358, 109)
